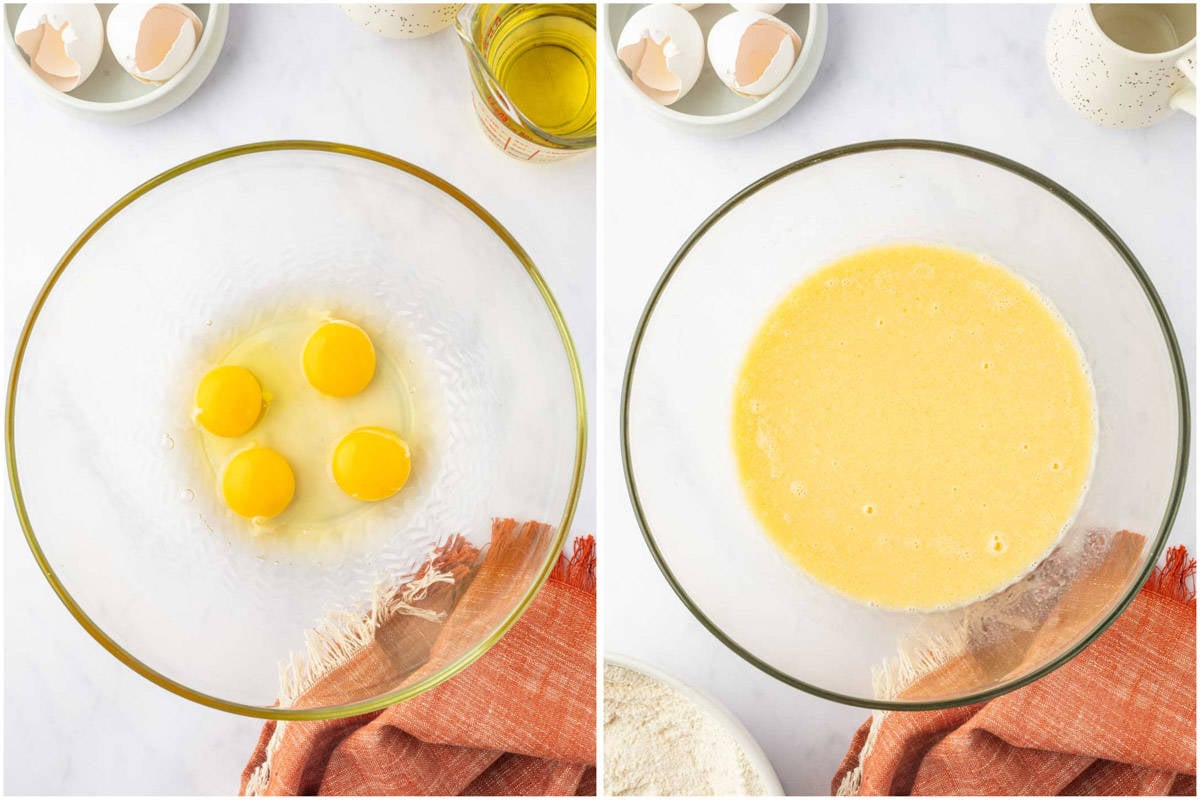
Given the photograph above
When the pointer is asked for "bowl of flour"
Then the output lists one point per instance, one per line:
(662, 737)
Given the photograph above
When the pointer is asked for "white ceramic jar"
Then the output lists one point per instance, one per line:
(1092, 61)
(403, 20)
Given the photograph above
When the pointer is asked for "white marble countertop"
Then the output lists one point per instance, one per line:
(79, 722)
(964, 73)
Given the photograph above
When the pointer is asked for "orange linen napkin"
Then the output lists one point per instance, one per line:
(1118, 719)
(519, 721)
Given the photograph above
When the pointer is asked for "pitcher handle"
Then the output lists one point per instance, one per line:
(1185, 98)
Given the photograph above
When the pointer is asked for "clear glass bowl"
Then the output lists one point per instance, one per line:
(102, 454)
(677, 411)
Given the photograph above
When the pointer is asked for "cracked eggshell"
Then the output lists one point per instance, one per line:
(152, 42)
(64, 42)
(403, 20)
(752, 52)
(662, 46)
(763, 8)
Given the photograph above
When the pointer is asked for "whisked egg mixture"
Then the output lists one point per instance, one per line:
(915, 426)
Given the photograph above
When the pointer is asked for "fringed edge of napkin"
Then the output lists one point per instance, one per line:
(334, 640)
(909, 665)
(899, 671)
(338, 637)
(1175, 579)
(578, 571)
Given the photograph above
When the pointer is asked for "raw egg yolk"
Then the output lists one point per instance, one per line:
(258, 483)
(228, 401)
(371, 463)
(339, 359)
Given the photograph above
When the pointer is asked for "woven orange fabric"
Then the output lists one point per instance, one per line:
(519, 721)
(1118, 719)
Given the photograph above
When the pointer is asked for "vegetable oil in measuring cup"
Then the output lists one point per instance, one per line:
(534, 69)
(544, 58)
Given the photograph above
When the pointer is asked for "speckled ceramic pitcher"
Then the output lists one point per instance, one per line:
(1124, 65)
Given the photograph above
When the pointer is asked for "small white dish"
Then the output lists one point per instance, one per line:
(710, 108)
(754, 753)
(114, 96)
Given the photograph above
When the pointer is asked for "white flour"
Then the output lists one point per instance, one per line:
(658, 742)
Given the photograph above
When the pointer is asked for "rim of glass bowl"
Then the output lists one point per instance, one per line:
(1164, 322)
(348, 709)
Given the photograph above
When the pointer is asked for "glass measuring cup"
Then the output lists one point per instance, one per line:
(533, 67)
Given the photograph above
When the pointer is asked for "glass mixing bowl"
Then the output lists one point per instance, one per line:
(677, 411)
(102, 454)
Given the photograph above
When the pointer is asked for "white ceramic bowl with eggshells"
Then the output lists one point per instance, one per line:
(759, 763)
(111, 94)
(710, 107)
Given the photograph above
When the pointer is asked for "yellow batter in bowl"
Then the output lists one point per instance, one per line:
(914, 426)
